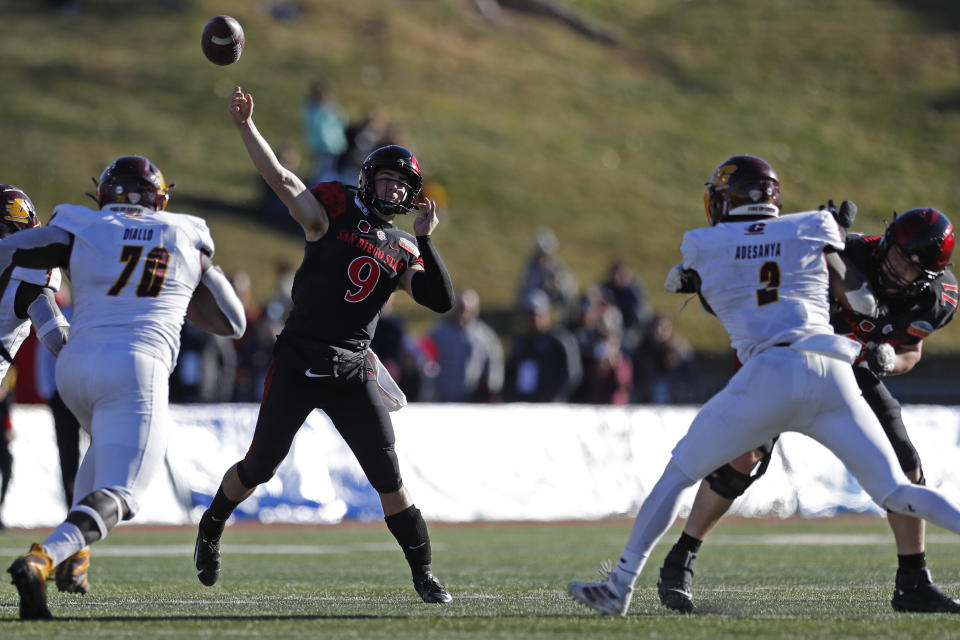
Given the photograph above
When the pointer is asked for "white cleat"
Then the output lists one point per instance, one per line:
(608, 596)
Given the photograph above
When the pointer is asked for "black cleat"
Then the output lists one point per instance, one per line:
(429, 589)
(675, 585)
(29, 573)
(915, 592)
(206, 559)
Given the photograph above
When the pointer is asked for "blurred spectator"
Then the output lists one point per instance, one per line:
(398, 352)
(270, 209)
(255, 348)
(469, 355)
(206, 367)
(362, 137)
(65, 425)
(545, 272)
(280, 303)
(324, 129)
(610, 376)
(544, 363)
(592, 324)
(664, 367)
(630, 297)
(25, 360)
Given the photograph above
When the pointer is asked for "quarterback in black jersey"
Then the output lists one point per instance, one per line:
(354, 259)
(916, 295)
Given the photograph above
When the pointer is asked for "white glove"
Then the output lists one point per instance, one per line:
(881, 358)
(674, 281)
(863, 301)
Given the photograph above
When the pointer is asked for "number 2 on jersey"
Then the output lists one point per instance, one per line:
(154, 271)
(769, 274)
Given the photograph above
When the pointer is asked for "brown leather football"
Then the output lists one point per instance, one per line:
(222, 40)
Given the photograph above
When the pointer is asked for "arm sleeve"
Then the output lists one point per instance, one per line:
(432, 287)
(226, 298)
(48, 321)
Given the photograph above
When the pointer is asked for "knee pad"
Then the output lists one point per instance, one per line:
(97, 514)
(728, 482)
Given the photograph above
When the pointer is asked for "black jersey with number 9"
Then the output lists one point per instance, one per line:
(347, 275)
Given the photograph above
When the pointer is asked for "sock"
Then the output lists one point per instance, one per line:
(912, 562)
(221, 507)
(656, 514)
(65, 541)
(688, 543)
(410, 530)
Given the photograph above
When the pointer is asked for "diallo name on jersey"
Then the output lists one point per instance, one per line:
(135, 233)
(754, 251)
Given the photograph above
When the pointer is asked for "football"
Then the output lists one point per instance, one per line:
(222, 40)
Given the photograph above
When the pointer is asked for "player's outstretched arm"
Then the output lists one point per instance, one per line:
(303, 206)
(215, 306)
(430, 285)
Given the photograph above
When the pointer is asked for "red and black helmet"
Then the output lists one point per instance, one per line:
(742, 186)
(399, 159)
(925, 238)
(133, 180)
(17, 209)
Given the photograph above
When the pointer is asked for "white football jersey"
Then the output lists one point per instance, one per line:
(14, 330)
(766, 280)
(133, 271)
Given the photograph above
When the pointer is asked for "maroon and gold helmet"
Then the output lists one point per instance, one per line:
(18, 210)
(399, 159)
(133, 180)
(925, 238)
(742, 186)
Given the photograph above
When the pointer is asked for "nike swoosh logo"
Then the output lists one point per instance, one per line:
(309, 373)
(422, 544)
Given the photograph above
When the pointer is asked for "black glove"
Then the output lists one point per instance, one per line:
(845, 215)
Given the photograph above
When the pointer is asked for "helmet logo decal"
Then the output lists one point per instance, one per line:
(17, 211)
(723, 174)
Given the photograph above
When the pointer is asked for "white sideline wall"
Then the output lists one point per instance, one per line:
(467, 463)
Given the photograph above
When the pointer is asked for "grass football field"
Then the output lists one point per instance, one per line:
(755, 578)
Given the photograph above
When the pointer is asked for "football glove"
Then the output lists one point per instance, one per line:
(845, 215)
(880, 358)
(680, 280)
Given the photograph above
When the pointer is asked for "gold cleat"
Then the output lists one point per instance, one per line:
(71, 574)
(30, 572)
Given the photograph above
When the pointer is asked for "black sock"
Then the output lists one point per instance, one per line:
(688, 543)
(912, 562)
(410, 530)
(216, 516)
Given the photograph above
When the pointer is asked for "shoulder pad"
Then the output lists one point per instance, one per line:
(72, 218)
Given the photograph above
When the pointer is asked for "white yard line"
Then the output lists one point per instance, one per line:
(782, 539)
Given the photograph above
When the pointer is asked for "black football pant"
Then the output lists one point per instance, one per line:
(356, 410)
(887, 410)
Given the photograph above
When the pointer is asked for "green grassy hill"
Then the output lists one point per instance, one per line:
(525, 122)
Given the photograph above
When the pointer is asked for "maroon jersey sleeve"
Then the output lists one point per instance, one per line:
(333, 197)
